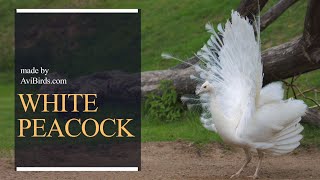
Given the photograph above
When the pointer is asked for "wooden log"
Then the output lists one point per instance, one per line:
(279, 62)
(312, 117)
(273, 13)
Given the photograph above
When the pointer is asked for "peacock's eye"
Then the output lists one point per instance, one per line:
(204, 86)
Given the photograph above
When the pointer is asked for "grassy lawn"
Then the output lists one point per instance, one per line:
(7, 116)
(167, 26)
(188, 128)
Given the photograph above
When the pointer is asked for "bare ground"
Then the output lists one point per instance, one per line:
(182, 160)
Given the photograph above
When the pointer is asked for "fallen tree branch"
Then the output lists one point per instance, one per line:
(280, 62)
(273, 13)
(180, 77)
(289, 59)
(312, 117)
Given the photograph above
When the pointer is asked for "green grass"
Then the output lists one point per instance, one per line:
(289, 25)
(311, 135)
(167, 26)
(7, 116)
(188, 128)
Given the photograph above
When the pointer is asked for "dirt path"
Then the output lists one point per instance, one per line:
(181, 160)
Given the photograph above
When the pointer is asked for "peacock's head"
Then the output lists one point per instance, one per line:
(206, 87)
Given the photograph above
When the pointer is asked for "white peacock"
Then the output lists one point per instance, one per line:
(234, 103)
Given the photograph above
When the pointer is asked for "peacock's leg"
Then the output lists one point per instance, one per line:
(260, 155)
(247, 161)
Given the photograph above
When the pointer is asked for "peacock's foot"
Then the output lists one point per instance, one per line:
(255, 176)
(235, 175)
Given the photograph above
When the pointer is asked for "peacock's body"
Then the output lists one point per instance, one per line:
(235, 104)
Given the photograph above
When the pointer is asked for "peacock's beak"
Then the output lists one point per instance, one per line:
(198, 91)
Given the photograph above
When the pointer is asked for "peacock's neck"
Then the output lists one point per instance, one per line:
(226, 127)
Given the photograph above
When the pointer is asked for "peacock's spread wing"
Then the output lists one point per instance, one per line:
(234, 69)
(276, 125)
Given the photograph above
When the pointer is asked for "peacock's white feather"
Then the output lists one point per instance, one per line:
(239, 109)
